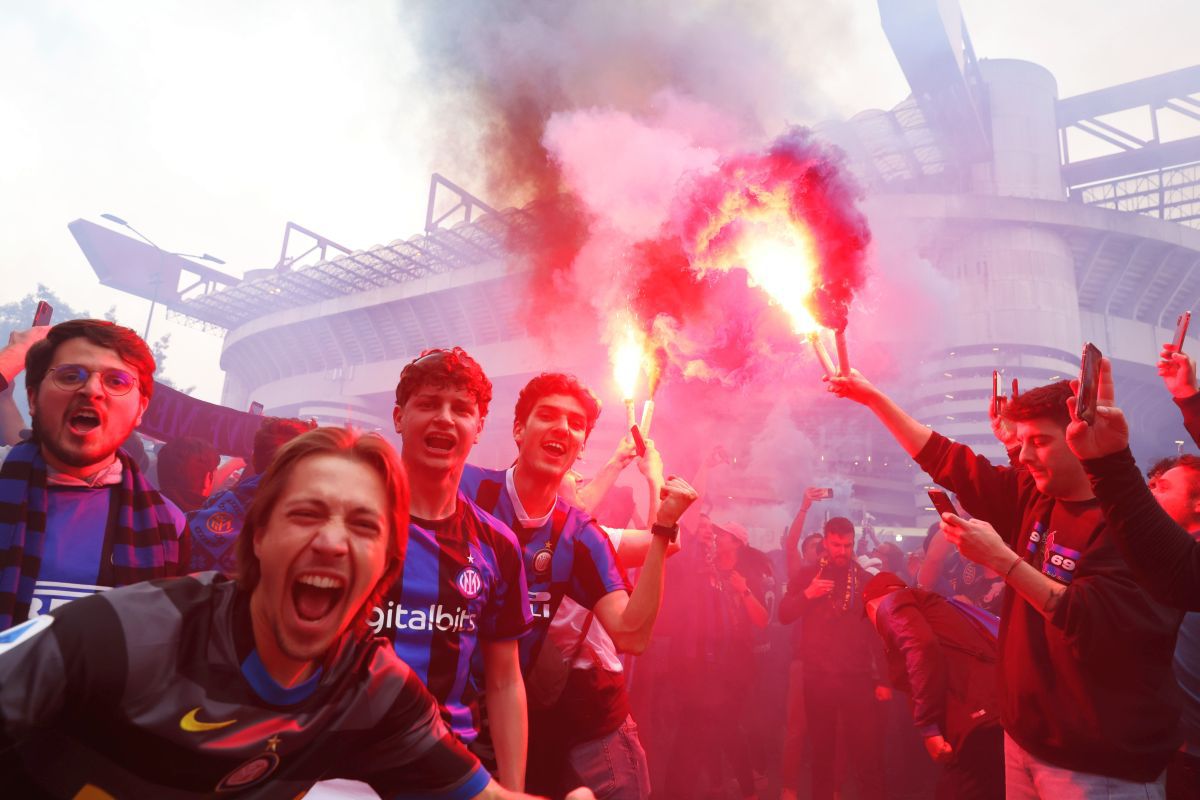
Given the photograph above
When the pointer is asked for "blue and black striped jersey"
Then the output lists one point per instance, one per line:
(582, 563)
(462, 581)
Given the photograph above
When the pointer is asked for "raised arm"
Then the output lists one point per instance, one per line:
(628, 618)
(795, 533)
(1178, 372)
(1163, 556)
(591, 495)
(11, 421)
(907, 431)
(12, 357)
(635, 542)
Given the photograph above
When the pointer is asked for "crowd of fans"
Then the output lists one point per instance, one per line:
(178, 623)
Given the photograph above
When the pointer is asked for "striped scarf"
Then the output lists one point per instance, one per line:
(141, 542)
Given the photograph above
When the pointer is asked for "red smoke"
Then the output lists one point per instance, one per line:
(682, 289)
(820, 197)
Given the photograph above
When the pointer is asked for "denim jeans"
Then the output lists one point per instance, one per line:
(613, 766)
(1027, 777)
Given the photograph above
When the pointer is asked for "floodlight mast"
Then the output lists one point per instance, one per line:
(162, 255)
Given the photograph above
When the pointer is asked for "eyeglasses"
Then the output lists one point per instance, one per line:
(72, 377)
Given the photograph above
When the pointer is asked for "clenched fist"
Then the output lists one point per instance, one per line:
(677, 494)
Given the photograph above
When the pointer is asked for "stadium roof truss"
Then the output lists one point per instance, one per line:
(1147, 170)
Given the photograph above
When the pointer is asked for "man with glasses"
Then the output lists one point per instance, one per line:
(76, 514)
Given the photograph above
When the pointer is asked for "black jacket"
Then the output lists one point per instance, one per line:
(1091, 688)
(944, 660)
(837, 638)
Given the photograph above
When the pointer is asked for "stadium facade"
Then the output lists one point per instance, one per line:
(1058, 220)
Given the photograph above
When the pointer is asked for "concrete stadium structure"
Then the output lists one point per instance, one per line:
(1059, 220)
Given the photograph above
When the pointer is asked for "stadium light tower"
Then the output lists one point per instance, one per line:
(162, 254)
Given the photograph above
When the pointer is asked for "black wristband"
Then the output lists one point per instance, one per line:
(669, 532)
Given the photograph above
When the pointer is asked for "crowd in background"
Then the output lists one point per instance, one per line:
(542, 635)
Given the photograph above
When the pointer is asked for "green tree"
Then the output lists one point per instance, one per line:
(18, 315)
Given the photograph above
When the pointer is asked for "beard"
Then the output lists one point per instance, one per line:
(78, 458)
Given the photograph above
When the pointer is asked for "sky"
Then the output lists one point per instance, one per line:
(209, 126)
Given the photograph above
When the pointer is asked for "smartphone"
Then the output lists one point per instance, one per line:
(996, 393)
(41, 317)
(256, 408)
(1015, 392)
(1089, 383)
(639, 443)
(1181, 326)
(941, 502)
(824, 493)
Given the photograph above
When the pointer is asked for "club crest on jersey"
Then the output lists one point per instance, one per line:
(469, 582)
(220, 522)
(253, 771)
(541, 562)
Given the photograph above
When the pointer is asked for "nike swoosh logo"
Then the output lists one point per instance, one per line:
(192, 725)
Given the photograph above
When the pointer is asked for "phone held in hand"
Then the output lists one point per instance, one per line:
(256, 408)
(1089, 383)
(1181, 328)
(41, 317)
(996, 393)
(822, 493)
(941, 502)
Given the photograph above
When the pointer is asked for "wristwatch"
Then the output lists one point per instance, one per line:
(669, 532)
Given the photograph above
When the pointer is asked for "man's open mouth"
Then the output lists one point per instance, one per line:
(315, 596)
(555, 448)
(84, 421)
(440, 441)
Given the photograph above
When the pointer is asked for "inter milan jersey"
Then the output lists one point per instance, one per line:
(582, 564)
(462, 581)
(156, 690)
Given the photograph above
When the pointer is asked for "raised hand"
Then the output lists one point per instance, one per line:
(650, 465)
(677, 494)
(1004, 431)
(853, 387)
(625, 453)
(811, 495)
(1109, 432)
(1178, 371)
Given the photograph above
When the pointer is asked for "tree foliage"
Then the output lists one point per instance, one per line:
(18, 314)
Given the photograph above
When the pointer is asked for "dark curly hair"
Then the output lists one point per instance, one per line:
(1044, 402)
(440, 367)
(549, 383)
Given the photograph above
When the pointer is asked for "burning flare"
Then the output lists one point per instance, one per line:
(783, 265)
(626, 357)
